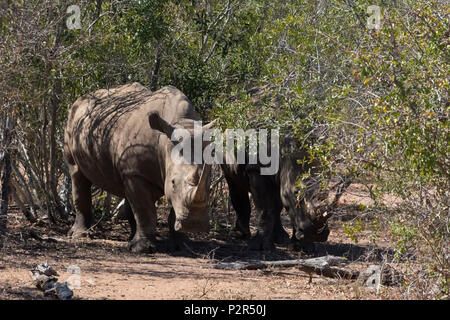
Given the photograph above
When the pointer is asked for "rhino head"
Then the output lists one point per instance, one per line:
(311, 224)
(187, 190)
(186, 184)
(306, 209)
(315, 209)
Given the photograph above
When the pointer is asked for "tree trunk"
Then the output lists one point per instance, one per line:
(6, 176)
(26, 212)
(98, 9)
(33, 179)
(54, 103)
(5, 191)
(53, 179)
(21, 183)
(66, 192)
(155, 73)
(44, 166)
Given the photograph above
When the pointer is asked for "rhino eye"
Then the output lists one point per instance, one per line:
(191, 182)
(173, 182)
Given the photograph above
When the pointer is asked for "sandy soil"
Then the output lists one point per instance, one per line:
(105, 269)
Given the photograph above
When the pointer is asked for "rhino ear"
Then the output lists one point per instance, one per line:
(158, 123)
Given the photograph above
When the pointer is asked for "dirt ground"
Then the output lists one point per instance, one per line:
(103, 268)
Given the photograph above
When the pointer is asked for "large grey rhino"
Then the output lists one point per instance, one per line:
(120, 140)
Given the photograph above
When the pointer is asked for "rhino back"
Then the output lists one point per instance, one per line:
(108, 135)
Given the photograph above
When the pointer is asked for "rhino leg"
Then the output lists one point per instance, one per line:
(128, 214)
(81, 192)
(270, 231)
(268, 208)
(241, 204)
(280, 236)
(144, 213)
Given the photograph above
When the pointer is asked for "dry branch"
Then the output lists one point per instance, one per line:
(324, 266)
(21, 184)
(34, 235)
(26, 212)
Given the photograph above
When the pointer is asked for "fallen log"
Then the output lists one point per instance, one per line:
(324, 266)
(34, 235)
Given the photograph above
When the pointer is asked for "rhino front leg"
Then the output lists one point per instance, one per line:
(268, 208)
(81, 192)
(279, 233)
(241, 204)
(144, 213)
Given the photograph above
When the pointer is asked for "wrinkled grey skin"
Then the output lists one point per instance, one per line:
(119, 140)
(272, 193)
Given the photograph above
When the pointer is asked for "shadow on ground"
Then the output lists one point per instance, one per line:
(217, 245)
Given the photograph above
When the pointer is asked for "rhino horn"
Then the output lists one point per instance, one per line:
(200, 195)
(326, 210)
(309, 207)
(319, 213)
(323, 214)
(209, 125)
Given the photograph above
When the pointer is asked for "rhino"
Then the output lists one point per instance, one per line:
(307, 207)
(119, 139)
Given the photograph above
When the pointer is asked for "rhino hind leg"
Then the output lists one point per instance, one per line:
(81, 192)
(261, 242)
(280, 236)
(128, 215)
